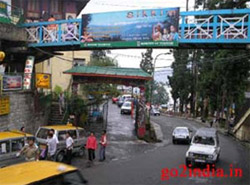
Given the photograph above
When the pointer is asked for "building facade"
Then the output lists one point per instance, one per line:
(57, 65)
(42, 9)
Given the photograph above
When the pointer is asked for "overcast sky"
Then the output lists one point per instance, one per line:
(132, 57)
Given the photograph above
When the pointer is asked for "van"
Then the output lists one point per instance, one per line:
(41, 173)
(78, 134)
(11, 142)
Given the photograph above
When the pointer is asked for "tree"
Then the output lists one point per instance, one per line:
(147, 66)
(147, 61)
(160, 94)
(97, 90)
(181, 80)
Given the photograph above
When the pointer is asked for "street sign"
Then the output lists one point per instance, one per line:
(43, 80)
(28, 72)
(4, 105)
(134, 28)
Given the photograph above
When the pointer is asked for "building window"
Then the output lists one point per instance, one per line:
(56, 6)
(33, 5)
(79, 62)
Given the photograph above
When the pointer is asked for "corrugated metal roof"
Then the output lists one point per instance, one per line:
(106, 71)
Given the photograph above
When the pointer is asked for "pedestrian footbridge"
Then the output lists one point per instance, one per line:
(197, 29)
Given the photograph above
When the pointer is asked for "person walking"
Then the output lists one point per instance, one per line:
(52, 29)
(52, 131)
(103, 144)
(52, 146)
(61, 103)
(30, 151)
(91, 146)
(69, 147)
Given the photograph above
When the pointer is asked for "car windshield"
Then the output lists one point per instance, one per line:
(127, 104)
(204, 140)
(181, 131)
(42, 133)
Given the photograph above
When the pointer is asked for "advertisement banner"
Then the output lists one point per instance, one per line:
(4, 105)
(131, 29)
(28, 72)
(43, 80)
(11, 83)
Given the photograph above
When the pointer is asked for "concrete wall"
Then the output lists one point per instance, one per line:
(22, 113)
(57, 66)
(243, 132)
(9, 32)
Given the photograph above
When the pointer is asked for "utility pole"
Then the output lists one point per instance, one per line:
(187, 3)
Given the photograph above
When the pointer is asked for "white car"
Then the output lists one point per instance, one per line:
(181, 134)
(204, 147)
(155, 112)
(126, 108)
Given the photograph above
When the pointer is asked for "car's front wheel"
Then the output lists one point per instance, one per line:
(188, 163)
(174, 141)
(81, 152)
(218, 158)
(60, 156)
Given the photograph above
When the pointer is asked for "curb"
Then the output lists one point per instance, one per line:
(158, 131)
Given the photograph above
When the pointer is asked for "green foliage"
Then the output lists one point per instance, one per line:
(181, 80)
(58, 90)
(219, 4)
(147, 61)
(147, 66)
(97, 90)
(160, 94)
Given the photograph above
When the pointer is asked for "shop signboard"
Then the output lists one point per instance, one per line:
(28, 72)
(43, 80)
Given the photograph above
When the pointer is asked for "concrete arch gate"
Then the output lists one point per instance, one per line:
(112, 75)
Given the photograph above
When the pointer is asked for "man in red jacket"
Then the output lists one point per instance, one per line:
(91, 146)
(103, 144)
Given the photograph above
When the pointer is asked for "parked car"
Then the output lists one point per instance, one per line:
(115, 99)
(122, 99)
(78, 135)
(41, 173)
(155, 112)
(204, 147)
(126, 108)
(181, 134)
(11, 142)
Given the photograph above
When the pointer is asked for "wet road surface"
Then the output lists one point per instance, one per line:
(133, 162)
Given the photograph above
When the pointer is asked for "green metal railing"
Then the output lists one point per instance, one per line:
(11, 14)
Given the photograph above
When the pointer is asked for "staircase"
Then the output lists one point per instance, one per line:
(55, 118)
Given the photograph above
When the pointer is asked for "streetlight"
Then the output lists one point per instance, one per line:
(152, 84)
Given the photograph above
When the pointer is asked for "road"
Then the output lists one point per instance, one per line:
(135, 162)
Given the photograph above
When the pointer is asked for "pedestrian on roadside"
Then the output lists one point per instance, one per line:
(91, 146)
(22, 129)
(54, 135)
(69, 147)
(30, 151)
(61, 103)
(52, 145)
(103, 144)
(52, 29)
